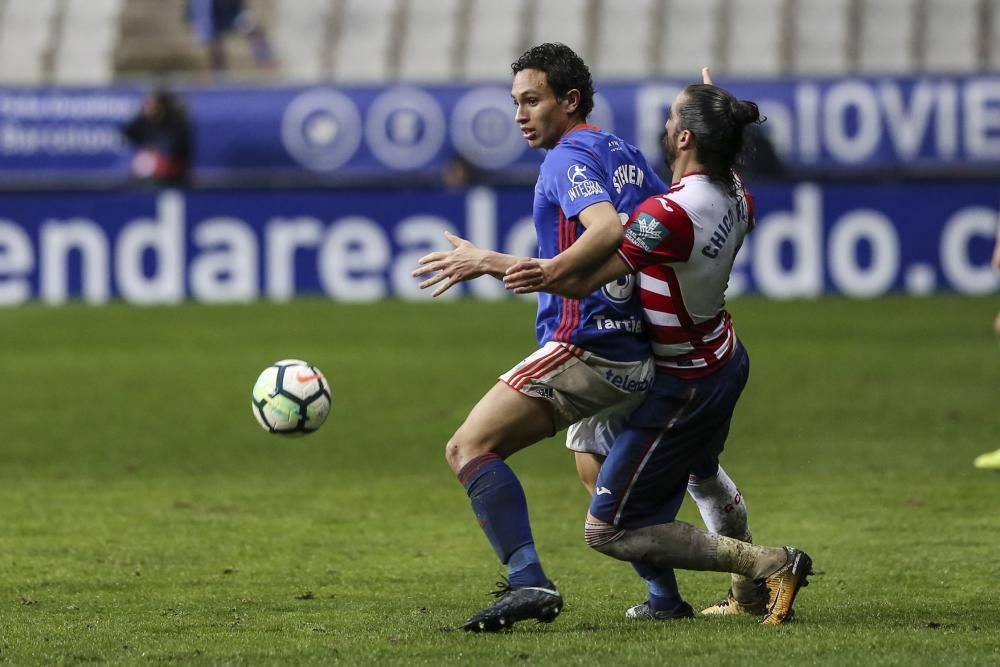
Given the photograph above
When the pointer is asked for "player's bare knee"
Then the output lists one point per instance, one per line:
(461, 449)
(455, 455)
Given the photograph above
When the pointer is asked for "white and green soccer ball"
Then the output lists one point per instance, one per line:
(291, 397)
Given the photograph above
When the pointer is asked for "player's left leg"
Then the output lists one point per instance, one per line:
(724, 511)
(681, 424)
(784, 570)
(503, 422)
(554, 387)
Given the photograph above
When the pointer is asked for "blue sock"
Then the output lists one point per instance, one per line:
(662, 585)
(524, 568)
(502, 510)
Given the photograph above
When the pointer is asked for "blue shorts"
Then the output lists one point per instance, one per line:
(681, 427)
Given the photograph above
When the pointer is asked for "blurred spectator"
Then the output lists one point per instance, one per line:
(458, 173)
(212, 20)
(161, 135)
(760, 159)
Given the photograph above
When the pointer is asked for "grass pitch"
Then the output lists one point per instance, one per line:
(148, 519)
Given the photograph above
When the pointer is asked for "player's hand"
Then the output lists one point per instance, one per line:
(527, 276)
(452, 266)
(706, 76)
(996, 253)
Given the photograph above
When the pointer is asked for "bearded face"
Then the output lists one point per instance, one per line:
(670, 151)
(672, 132)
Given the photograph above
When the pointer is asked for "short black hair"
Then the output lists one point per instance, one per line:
(564, 71)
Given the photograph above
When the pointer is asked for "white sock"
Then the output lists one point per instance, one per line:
(722, 509)
(721, 506)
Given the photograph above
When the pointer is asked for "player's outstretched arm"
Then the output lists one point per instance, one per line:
(602, 237)
(533, 275)
(465, 262)
(577, 270)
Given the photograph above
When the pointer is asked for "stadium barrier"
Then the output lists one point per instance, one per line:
(229, 246)
(939, 127)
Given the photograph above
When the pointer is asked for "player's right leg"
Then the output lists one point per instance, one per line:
(724, 512)
(503, 422)
(587, 467)
(681, 424)
(554, 387)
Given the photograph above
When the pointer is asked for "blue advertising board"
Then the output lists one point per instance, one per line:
(361, 245)
(911, 125)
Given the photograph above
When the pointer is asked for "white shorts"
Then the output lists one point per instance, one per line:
(582, 386)
(596, 434)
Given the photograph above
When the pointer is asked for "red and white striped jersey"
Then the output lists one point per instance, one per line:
(683, 244)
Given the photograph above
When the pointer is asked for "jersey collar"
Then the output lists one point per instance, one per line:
(584, 126)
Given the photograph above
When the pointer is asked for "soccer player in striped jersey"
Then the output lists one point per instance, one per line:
(593, 356)
(683, 243)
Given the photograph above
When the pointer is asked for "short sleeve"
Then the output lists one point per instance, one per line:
(575, 178)
(659, 232)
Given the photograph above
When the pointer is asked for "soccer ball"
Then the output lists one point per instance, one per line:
(291, 397)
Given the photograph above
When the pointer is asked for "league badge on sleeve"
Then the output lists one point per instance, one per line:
(646, 232)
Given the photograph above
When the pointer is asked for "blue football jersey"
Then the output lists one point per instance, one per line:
(586, 167)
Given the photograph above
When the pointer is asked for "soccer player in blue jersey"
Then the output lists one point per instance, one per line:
(593, 356)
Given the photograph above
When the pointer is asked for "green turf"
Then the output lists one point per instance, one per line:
(148, 519)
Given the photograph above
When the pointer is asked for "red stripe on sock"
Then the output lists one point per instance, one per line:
(473, 466)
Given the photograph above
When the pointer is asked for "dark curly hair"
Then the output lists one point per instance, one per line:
(564, 71)
(718, 121)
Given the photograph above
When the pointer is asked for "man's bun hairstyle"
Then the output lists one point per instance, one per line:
(718, 121)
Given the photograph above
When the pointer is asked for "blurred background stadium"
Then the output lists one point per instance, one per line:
(98, 42)
(877, 170)
(306, 158)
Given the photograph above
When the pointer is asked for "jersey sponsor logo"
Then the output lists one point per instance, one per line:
(585, 189)
(577, 173)
(630, 324)
(626, 382)
(582, 185)
(627, 174)
(620, 290)
(646, 232)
